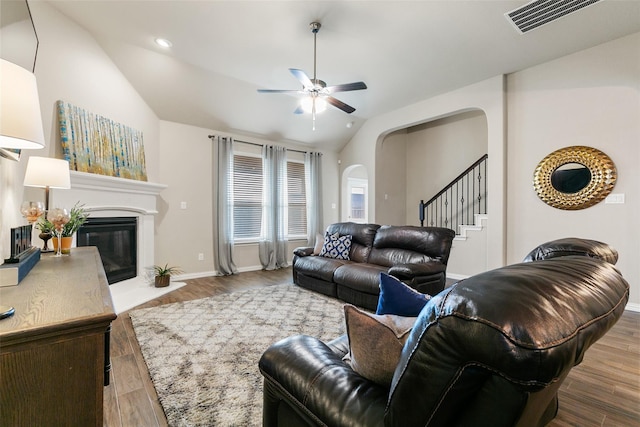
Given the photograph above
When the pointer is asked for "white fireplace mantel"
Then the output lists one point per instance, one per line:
(106, 196)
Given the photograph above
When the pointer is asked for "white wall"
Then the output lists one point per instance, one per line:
(71, 66)
(391, 177)
(486, 96)
(187, 166)
(437, 152)
(589, 98)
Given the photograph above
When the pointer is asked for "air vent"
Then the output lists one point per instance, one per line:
(540, 12)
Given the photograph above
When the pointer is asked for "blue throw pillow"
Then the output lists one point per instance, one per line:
(398, 298)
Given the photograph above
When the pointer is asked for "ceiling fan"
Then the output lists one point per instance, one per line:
(315, 91)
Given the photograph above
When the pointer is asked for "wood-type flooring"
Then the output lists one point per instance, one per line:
(604, 390)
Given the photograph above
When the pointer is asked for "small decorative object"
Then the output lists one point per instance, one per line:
(163, 274)
(77, 217)
(32, 211)
(574, 177)
(46, 233)
(58, 217)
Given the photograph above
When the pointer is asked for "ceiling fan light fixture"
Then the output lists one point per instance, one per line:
(306, 104)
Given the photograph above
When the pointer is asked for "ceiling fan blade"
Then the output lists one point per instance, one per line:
(346, 87)
(302, 78)
(339, 104)
(280, 91)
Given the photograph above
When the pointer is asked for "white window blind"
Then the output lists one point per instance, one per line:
(248, 176)
(247, 196)
(297, 200)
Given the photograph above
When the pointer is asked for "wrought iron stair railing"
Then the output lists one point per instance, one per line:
(458, 202)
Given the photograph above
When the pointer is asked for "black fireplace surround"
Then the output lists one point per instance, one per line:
(116, 239)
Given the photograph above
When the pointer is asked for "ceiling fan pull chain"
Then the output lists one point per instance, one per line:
(313, 115)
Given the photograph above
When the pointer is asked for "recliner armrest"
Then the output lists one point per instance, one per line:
(409, 271)
(303, 251)
(305, 372)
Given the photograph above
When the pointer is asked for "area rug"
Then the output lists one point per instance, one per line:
(203, 355)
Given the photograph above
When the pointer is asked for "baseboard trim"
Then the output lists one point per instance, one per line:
(631, 306)
(457, 276)
(198, 275)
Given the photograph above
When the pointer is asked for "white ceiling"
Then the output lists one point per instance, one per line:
(405, 51)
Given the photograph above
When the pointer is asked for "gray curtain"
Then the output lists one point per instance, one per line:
(313, 170)
(273, 244)
(223, 229)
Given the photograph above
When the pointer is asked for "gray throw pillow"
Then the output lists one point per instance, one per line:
(375, 342)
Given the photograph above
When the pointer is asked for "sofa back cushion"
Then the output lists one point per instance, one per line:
(361, 238)
(573, 246)
(409, 244)
(521, 327)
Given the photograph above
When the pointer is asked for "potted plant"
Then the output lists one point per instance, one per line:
(77, 217)
(163, 274)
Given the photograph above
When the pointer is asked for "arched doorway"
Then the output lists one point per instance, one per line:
(355, 194)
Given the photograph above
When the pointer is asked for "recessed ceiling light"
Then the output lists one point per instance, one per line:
(163, 42)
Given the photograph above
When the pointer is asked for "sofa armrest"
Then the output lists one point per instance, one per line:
(410, 271)
(303, 251)
(303, 371)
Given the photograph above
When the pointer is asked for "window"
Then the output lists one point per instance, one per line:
(247, 196)
(297, 200)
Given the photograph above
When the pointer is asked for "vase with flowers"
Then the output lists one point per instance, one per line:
(63, 231)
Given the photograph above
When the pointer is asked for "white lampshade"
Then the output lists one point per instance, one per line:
(47, 172)
(20, 117)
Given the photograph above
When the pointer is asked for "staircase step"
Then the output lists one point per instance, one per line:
(479, 219)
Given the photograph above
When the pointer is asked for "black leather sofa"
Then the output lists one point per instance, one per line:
(491, 350)
(416, 255)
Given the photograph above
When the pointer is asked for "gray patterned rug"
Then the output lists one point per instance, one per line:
(203, 355)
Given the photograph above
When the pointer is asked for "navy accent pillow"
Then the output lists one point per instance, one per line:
(398, 298)
(335, 246)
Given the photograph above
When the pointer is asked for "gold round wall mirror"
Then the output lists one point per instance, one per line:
(574, 177)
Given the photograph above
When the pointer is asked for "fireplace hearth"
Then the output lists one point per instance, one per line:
(115, 238)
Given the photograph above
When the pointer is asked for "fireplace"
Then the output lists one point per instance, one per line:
(116, 239)
(111, 197)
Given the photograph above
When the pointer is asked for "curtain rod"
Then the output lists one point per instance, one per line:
(262, 145)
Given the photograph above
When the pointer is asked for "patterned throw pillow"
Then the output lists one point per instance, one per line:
(336, 246)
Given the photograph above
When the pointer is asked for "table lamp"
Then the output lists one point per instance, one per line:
(47, 172)
(21, 120)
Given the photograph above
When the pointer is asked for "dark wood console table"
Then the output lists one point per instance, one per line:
(54, 351)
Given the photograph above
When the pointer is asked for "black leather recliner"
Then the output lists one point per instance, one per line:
(491, 350)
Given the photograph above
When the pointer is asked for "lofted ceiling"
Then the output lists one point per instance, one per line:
(405, 51)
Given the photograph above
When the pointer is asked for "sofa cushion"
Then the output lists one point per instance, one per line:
(389, 257)
(336, 247)
(362, 236)
(318, 267)
(431, 242)
(398, 298)
(375, 342)
(360, 276)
